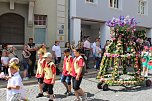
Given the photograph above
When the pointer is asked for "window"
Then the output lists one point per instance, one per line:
(40, 19)
(142, 7)
(114, 3)
(91, 1)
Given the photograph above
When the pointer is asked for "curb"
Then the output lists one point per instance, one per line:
(34, 81)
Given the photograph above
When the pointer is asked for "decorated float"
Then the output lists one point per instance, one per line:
(121, 63)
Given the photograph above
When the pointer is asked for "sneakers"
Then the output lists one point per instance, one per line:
(94, 66)
(26, 78)
(50, 100)
(66, 93)
(39, 95)
(69, 93)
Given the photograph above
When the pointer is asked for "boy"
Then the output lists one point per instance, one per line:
(49, 75)
(66, 74)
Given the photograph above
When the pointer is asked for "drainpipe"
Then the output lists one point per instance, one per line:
(69, 28)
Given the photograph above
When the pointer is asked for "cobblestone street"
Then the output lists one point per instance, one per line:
(89, 84)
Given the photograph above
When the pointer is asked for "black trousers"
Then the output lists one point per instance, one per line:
(32, 67)
(76, 83)
(48, 88)
(87, 54)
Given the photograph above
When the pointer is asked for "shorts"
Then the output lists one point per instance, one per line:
(48, 88)
(76, 83)
(40, 80)
(57, 61)
(66, 79)
(25, 65)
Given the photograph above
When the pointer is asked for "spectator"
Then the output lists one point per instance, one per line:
(25, 55)
(98, 53)
(5, 62)
(72, 46)
(67, 45)
(87, 49)
(149, 40)
(0, 61)
(146, 43)
(56, 52)
(94, 49)
(11, 51)
(32, 50)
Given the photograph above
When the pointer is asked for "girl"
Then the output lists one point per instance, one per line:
(40, 72)
(15, 90)
(66, 74)
(77, 68)
(150, 58)
(144, 55)
(25, 55)
(43, 48)
(67, 45)
(5, 61)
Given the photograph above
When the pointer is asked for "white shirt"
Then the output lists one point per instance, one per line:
(57, 50)
(94, 47)
(87, 44)
(98, 50)
(15, 80)
(5, 60)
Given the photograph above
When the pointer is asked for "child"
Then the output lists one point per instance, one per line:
(66, 77)
(49, 75)
(77, 75)
(40, 72)
(144, 55)
(5, 61)
(15, 87)
(150, 58)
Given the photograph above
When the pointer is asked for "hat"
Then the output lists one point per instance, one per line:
(48, 54)
(14, 66)
(16, 60)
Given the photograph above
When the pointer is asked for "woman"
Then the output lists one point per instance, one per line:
(25, 55)
(77, 74)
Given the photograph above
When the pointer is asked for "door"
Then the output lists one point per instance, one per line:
(40, 34)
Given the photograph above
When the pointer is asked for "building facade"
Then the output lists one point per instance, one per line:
(88, 17)
(43, 20)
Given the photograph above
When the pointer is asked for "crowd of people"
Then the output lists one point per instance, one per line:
(75, 65)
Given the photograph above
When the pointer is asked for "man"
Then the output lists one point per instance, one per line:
(94, 50)
(32, 50)
(87, 49)
(56, 52)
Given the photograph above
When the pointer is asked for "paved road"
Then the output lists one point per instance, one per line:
(89, 84)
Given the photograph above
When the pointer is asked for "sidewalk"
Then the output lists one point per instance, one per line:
(33, 80)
